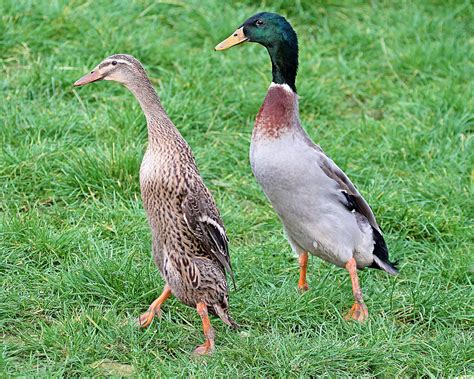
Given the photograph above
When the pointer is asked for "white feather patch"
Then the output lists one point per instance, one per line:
(215, 224)
(109, 61)
(285, 86)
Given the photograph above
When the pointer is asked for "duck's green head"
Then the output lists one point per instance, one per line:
(276, 34)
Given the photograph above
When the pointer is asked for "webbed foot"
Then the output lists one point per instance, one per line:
(358, 312)
(154, 309)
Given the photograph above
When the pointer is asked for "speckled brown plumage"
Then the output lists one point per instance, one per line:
(189, 242)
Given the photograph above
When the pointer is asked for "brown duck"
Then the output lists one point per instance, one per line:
(189, 241)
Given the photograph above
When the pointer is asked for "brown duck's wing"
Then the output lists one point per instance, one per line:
(203, 219)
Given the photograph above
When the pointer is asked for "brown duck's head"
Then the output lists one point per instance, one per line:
(121, 68)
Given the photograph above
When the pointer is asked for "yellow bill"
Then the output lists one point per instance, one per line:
(237, 37)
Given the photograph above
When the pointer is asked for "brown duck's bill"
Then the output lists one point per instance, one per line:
(89, 78)
(237, 37)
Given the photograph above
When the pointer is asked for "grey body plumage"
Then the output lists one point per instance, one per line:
(308, 190)
(321, 210)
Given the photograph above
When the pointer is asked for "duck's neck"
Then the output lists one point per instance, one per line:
(278, 114)
(158, 123)
(284, 56)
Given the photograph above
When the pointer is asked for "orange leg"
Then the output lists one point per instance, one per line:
(303, 261)
(155, 308)
(208, 346)
(359, 311)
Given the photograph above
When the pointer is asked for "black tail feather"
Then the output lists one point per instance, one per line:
(381, 260)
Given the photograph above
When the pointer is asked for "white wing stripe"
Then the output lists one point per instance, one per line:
(215, 224)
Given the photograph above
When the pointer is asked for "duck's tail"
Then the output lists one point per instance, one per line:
(223, 314)
(381, 260)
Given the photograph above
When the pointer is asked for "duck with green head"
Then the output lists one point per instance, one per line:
(321, 210)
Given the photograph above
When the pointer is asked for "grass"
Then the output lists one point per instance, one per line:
(386, 89)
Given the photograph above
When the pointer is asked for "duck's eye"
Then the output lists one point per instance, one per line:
(259, 22)
(114, 63)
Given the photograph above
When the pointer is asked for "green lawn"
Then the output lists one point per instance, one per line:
(386, 88)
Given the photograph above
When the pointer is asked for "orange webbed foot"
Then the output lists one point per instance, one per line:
(206, 348)
(358, 312)
(303, 287)
(154, 309)
(146, 318)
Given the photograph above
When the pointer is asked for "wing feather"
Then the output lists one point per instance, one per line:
(354, 201)
(354, 198)
(203, 219)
